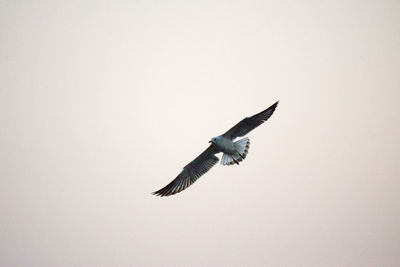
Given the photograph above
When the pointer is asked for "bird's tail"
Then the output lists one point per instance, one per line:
(242, 148)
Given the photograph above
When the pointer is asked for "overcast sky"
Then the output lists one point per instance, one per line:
(104, 102)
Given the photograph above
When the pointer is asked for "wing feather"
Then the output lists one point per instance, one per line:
(249, 123)
(191, 172)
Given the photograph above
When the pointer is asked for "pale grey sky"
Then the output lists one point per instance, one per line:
(103, 102)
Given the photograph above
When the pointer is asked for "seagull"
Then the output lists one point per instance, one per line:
(233, 152)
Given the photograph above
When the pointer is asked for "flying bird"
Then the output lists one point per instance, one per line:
(233, 152)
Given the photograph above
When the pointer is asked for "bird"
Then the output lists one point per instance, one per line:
(233, 152)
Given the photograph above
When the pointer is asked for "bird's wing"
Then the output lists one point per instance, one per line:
(249, 123)
(191, 172)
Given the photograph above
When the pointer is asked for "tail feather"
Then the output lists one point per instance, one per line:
(242, 149)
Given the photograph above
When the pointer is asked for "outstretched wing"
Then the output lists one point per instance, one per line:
(191, 172)
(249, 123)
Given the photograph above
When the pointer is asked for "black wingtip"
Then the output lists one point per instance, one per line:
(158, 194)
(273, 107)
(270, 110)
(165, 191)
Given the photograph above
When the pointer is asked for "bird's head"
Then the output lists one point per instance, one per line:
(213, 140)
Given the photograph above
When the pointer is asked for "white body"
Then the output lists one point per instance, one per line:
(234, 152)
(225, 145)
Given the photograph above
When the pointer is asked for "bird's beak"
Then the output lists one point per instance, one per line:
(210, 141)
